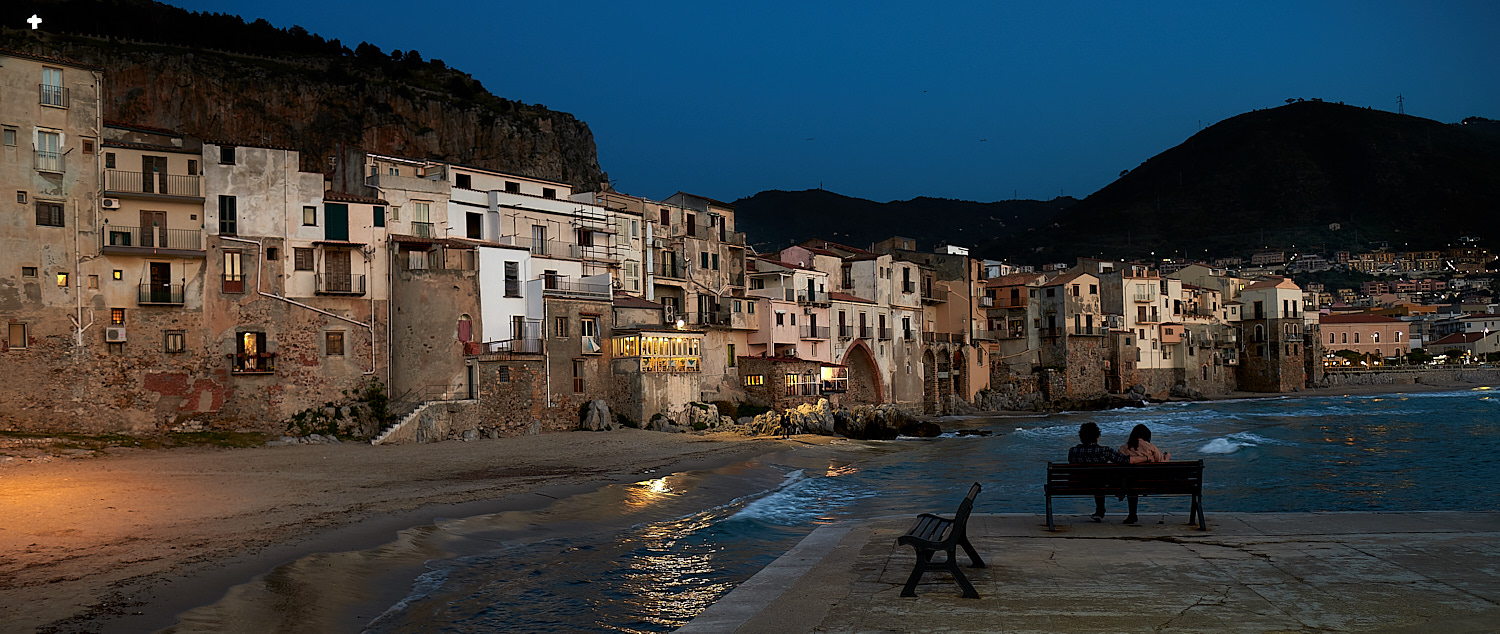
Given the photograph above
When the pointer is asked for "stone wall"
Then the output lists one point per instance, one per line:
(1435, 376)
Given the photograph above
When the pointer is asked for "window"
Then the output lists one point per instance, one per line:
(226, 155)
(93, 281)
(502, 374)
(228, 216)
(1093, 289)
(548, 192)
(234, 279)
(49, 157)
(273, 254)
(666, 217)
(192, 167)
(1356, 337)
(1075, 290)
(780, 318)
(28, 271)
(1051, 292)
(21, 198)
(52, 91)
(703, 260)
(1346, 337)
(1375, 337)
(715, 259)
(302, 259)
(176, 341)
(560, 326)
(49, 214)
(512, 279)
(117, 316)
(463, 181)
(17, 340)
(474, 225)
(588, 327)
(578, 376)
(395, 212)
(730, 348)
(421, 212)
(512, 187)
(109, 160)
(755, 379)
(88, 146)
(635, 228)
(62, 282)
(252, 356)
(118, 275)
(309, 216)
(379, 216)
(10, 136)
(333, 343)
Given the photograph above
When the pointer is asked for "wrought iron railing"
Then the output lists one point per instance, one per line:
(150, 237)
(815, 332)
(155, 183)
(49, 95)
(341, 284)
(165, 294)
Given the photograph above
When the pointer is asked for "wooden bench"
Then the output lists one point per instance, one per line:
(931, 534)
(1180, 477)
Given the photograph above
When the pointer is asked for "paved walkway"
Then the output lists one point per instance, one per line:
(1255, 572)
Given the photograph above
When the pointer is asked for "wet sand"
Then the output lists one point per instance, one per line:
(126, 541)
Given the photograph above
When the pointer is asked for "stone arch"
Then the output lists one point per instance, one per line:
(944, 376)
(929, 383)
(960, 374)
(864, 375)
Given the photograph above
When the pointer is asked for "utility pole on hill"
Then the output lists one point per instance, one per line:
(1400, 104)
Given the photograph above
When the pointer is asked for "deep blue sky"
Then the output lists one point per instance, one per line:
(892, 100)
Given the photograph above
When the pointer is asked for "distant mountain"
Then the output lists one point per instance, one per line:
(220, 77)
(1316, 175)
(775, 219)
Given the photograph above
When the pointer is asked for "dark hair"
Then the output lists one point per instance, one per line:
(1141, 432)
(1088, 432)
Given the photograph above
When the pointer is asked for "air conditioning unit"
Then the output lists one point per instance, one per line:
(111, 203)
(114, 334)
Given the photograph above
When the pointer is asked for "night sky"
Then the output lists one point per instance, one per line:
(893, 100)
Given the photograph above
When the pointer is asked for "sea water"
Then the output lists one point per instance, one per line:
(680, 542)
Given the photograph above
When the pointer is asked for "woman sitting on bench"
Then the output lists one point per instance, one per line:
(1140, 449)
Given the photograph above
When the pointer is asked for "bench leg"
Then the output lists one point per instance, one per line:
(958, 575)
(1050, 527)
(974, 560)
(923, 558)
(1198, 504)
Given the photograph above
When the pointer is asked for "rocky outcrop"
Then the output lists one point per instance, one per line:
(317, 104)
(596, 416)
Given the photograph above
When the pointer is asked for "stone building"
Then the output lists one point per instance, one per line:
(1272, 326)
(1073, 334)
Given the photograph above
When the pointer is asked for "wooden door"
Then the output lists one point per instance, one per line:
(161, 283)
(153, 174)
(154, 229)
(337, 271)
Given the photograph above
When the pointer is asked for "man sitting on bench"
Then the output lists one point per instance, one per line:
(1088, 451)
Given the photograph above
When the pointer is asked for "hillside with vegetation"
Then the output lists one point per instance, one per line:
(218, 77)
(776, 219)
(1305, 176)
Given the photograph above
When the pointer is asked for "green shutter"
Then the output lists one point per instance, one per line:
(336, 221)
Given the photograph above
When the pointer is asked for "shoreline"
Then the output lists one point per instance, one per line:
(134, 538)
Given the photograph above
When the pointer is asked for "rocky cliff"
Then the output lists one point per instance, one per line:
(314, 103)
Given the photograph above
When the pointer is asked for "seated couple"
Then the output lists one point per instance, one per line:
(1137, 449)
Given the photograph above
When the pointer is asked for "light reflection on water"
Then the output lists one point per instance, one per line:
(680, 542)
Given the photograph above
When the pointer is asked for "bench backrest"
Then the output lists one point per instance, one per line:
(961, 518)
(1179, 477)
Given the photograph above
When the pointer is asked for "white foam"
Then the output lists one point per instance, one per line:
(1221, 445)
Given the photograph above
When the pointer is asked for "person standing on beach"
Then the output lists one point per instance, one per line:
(1140, 450)
(1088, 451)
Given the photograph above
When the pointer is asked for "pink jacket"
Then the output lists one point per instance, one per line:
(1144, 452)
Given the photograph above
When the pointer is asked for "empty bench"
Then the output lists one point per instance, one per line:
(932, 534)
(1181, 477)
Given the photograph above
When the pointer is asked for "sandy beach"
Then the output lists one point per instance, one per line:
(125, 540)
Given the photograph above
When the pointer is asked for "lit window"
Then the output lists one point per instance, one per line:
(176, 341)
(117, 316)
(62, 280)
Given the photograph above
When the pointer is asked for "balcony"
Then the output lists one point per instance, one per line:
(908, 286)
(152, 240)
(864, 332)
(846, 332)
(1147, 296)
(257, 363)
(340, 284)
(159, 295)
(57, 96)
(713, 317)
(929, 298)
(987, 301)
(1011, 302)
(423, 229)
(673, 266)
(558, 286)
(1051, 332)
(884, 334)
(50, 162)
(815, 332)
(125, 182)
(232, 283)
(812, 297)
(1292, 337)
(525, 345)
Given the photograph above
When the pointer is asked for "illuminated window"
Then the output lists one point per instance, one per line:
(62, 280)
(118, 274)
(334, 343)
(755, 379)
(176, 341)
(117, 316)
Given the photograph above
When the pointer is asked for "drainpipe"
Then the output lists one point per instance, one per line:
(650, 262)
(262, 293)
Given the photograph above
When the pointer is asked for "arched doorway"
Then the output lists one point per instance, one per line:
(960, 373)
(944, 378)
(864, 376)
(929, 383)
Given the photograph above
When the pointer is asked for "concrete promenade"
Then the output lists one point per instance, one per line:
(1251, 572)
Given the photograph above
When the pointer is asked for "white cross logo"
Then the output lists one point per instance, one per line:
(34, 21)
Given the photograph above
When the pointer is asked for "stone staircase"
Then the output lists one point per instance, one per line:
(410, 418)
